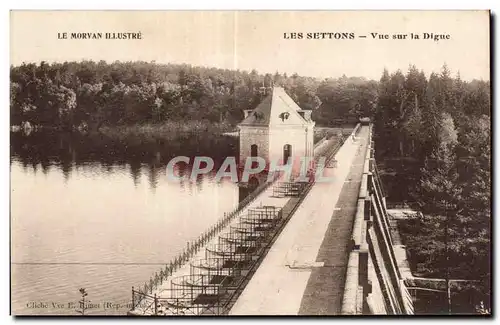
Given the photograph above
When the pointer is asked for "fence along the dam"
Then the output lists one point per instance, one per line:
(373, 282)
(144, 295)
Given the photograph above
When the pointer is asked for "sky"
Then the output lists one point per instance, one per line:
(249, 40)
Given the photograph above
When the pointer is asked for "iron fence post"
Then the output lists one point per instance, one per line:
(156, 305)
(133, 298)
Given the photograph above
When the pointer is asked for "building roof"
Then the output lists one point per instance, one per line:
(277, 108)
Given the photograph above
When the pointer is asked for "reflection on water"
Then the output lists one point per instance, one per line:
(102, 215)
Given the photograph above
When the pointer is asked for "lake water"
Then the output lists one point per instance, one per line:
(101, 215)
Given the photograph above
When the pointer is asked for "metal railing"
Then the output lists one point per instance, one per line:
(194, 247)
(143, 296)
(379, 181)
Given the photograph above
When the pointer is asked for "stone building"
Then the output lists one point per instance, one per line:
(277, 129)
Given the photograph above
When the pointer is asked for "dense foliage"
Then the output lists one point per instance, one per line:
(65, 95)
(442, 125)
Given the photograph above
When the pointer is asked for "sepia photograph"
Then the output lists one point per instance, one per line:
(250, 163)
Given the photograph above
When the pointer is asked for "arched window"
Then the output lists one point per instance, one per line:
(253, 150)
(287, 152)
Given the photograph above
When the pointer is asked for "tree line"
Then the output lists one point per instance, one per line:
(439, 129)
(65, 95)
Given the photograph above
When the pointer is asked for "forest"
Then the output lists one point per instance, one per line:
(437, 131)
(67, 95)
(433, 132)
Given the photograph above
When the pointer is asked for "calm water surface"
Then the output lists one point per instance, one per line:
(85, 215)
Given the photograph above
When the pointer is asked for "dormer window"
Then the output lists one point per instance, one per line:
(258, 115)
(247, 112)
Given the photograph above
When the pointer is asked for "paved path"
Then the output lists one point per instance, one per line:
(288, 280)
(325, 289)
(265, 198)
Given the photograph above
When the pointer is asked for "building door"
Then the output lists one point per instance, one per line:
(253, 184)
(287, 152)
(253, 150)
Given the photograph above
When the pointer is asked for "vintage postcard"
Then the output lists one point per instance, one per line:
(180, 163)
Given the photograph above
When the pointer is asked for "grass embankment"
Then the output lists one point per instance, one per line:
(172, 130)
(167, 131)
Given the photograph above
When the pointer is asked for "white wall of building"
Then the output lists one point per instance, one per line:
(254, 135)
